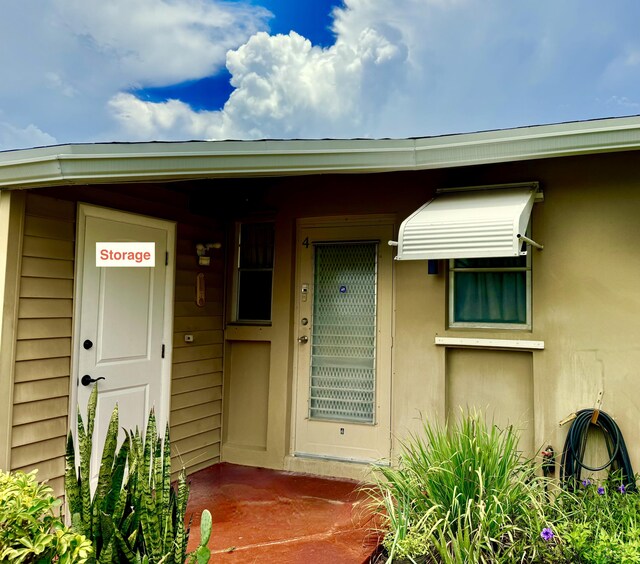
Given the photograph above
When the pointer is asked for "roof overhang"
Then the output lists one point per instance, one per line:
(159, 161)
(482, 222)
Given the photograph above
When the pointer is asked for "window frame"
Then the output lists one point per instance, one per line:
(452, 324)
(237, 274)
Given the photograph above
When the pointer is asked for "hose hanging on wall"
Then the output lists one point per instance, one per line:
(572, 461)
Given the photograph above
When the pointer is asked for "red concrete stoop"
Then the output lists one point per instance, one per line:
(262, 515)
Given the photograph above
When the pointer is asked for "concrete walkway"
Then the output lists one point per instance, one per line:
(268, 516)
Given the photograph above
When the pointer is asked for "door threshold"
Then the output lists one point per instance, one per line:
(329, 467)
(329, 458)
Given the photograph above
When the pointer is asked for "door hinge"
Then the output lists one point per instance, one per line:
(166, 259)
(162, 351)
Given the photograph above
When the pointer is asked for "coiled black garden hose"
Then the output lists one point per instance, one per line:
(575, 445)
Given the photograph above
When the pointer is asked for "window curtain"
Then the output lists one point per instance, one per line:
(490, 297)
(256, 245)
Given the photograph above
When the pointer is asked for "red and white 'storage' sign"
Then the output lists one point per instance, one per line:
(125, 254)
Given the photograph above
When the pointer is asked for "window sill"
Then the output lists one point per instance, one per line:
(519, 344)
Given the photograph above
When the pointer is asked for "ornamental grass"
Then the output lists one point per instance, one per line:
(461, 494)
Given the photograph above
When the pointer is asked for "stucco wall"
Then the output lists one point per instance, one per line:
(585, 293)
(585, 301)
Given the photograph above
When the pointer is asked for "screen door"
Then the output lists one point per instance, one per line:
(344, 344)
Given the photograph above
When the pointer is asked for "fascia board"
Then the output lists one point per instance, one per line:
(135, 162)
(559, 140)
(29, 172)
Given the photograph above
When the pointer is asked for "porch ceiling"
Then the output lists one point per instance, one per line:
(160, 161)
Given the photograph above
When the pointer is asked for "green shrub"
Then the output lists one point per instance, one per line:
(462, 495)
(30, 531)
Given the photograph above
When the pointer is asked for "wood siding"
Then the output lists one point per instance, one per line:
(44, 347)
(196, 387)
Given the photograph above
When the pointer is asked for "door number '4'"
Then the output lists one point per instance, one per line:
(305, 243)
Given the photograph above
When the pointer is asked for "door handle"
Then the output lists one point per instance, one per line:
(86, 379)
(304, 339)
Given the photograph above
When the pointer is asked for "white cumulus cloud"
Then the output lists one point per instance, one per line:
(411, 68)
(398, 68)
(160, 121)
(286, 87)
(63, 60)
(160, 42)
(29, 136)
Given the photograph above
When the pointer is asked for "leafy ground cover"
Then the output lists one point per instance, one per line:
(597, 523)
(30, 528)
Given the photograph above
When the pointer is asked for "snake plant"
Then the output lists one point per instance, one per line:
(134, 515)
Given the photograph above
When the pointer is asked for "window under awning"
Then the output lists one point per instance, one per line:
(469, 223)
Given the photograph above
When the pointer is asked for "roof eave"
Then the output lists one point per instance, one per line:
(137, 162)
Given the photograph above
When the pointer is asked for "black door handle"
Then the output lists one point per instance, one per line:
(87, 344)
(86, 380)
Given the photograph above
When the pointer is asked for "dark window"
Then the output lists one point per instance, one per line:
(255, 272)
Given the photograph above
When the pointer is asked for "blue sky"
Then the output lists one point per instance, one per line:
(310, 18)
(135, 70)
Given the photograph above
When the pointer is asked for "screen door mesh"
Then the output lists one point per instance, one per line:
(343, 335)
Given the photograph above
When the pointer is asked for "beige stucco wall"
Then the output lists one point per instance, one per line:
(271, 365)
(585, 302)
(585, 299)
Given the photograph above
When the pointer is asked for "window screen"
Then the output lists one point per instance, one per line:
(343, 371)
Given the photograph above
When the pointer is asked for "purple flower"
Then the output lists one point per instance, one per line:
(622, 489)
(586, 482)
(547, 534)
(600, 490)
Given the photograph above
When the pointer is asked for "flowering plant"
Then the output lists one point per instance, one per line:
(596, 523)
(547, 534)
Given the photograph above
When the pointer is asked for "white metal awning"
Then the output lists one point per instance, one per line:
(469, 223)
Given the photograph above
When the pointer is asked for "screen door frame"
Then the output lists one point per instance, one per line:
(341, 440)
